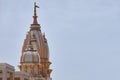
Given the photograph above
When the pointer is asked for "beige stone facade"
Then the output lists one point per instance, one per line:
(34, 61)
(7, 72)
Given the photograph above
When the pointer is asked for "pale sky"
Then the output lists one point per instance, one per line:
(83, 36)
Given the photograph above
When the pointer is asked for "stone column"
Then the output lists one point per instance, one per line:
(4, 74)
(11, 75)
(21, 78)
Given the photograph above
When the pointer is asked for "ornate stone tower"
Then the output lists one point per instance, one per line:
(35, 53)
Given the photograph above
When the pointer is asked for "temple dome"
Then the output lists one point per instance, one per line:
(30, 56)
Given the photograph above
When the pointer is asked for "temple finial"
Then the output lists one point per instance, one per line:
(35, 14)
(35, 6)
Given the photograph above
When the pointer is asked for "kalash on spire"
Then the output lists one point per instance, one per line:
(35, 53)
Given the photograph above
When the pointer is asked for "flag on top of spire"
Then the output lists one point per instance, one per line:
(36, 5)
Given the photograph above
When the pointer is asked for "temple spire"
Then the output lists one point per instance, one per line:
(35, 14)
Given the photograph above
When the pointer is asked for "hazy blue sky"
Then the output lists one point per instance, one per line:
(83, 36)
